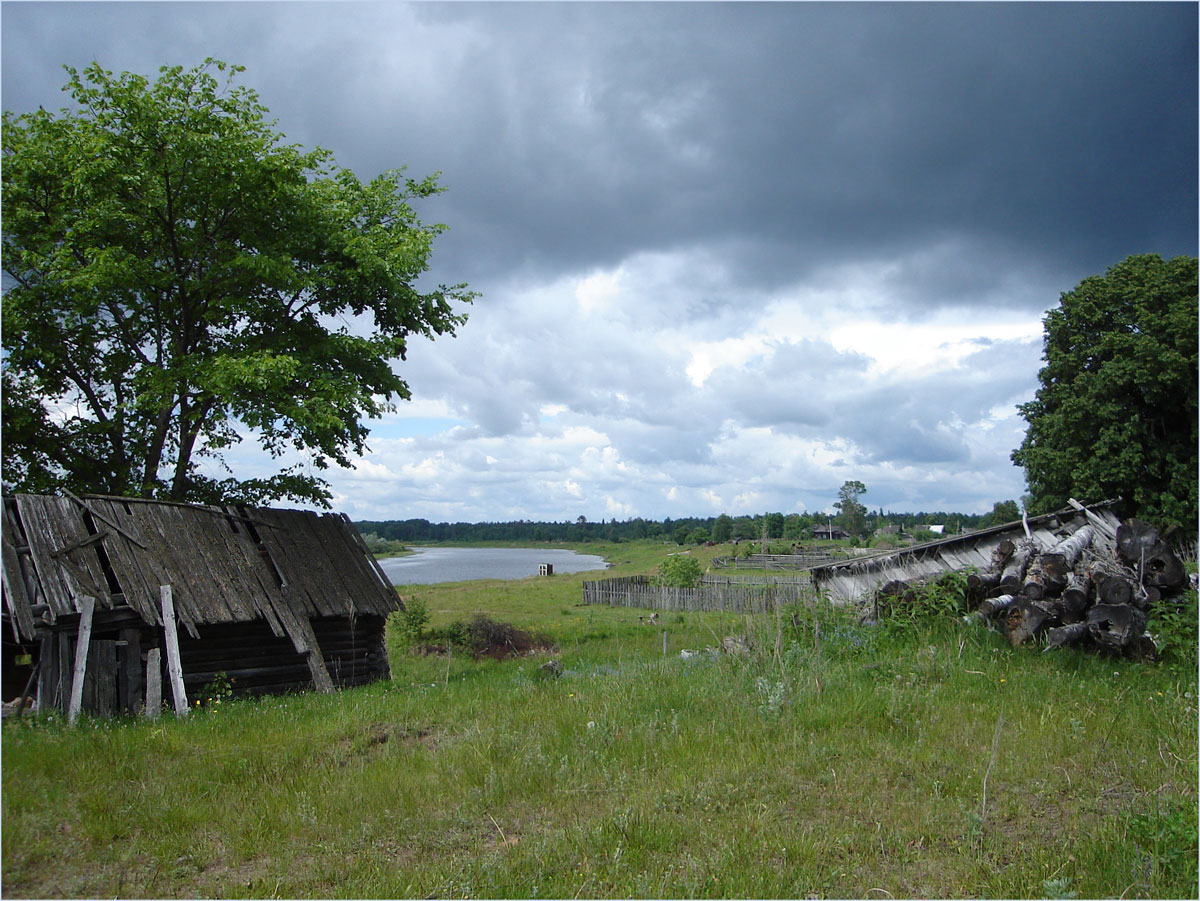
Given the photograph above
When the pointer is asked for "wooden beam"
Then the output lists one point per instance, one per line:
(130, 671)
(174, 665)
(87, 606)
(104, 519)
(154, 682)
(82, 542)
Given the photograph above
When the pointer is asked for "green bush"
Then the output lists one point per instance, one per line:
(679, 572)
(1174, 625)
(919, 605)
(411, 620)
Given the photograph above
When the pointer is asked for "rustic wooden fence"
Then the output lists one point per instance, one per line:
(774, 561)
(732, 595)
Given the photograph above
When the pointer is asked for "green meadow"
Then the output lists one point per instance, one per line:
(922, 757)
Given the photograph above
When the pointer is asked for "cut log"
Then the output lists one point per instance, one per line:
(979, 586)
(1115, 590)
(1161, 569)
(1076, 595)
(1014, 572)
(1143, 648)
(1073, 546)
(1027, 619)
(1001, 554)
(992, 606)
(1134, 538)
(1115, 627)
(1061, 636)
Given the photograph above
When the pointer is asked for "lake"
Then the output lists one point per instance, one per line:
(430, 565)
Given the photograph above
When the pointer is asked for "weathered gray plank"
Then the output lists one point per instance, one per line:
(60, 587)
(171, 641)
(154, 682)
(87, 605)
(16, 595)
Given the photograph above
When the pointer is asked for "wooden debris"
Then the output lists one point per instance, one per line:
(1095, 587)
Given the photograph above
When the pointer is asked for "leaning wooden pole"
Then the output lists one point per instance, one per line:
(171, 639)
(87, 606)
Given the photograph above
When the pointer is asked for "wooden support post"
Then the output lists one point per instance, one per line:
(87, 605)
(154, 682)
(130, 672)
(48, 678)
(174, 665)
(63, 691)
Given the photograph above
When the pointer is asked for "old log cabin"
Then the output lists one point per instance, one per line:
(174, 597)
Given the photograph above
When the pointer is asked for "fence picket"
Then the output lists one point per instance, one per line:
(735, 595)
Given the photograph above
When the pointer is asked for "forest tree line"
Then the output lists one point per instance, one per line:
(796, 527)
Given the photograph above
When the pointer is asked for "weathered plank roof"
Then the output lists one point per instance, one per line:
(225, 564)
(853, 579)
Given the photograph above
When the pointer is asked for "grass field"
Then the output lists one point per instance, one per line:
(924, 758)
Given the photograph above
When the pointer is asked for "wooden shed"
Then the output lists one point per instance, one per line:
(128, 592)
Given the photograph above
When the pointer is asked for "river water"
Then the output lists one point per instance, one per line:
(430, 565)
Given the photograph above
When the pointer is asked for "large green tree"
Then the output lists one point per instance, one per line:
(852, 515)
(179, 277)
(1117, 409)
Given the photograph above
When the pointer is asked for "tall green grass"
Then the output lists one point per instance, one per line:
(837, 760)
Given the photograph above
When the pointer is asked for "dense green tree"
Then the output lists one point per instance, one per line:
(774, 523)
(1116, 413)
(179, 276)
(722, 529)
(1002, 512)
(852, 515)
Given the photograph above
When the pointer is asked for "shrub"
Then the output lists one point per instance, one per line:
(1175, 627)
(412, 619)
(679, 572)
(922, 604)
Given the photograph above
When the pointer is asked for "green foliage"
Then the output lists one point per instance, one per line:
(174, 267)
(1116, 414)
(1175, 626)
(219, 690)
(1002, 512)
(852, 515)
(680, 572)
(722, 529)
(930, 604)
(412, 620)
(1165, 839)
(382, 546)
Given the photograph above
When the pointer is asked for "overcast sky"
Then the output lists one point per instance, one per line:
(729, 255)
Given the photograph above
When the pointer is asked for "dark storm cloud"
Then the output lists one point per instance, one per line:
(1059, 136)
(718, 244)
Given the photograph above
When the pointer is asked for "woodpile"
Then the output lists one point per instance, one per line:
(1095, 587)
